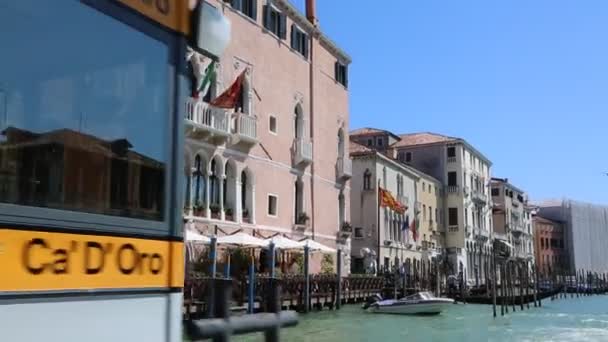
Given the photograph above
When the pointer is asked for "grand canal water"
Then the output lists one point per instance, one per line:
(579, 319)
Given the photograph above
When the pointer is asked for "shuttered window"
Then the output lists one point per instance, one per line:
(247, 7)
(452, 216)
(341, 72)
(299, 41)
(275, 21)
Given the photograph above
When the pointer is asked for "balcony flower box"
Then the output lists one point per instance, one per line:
(346, 227)
(229, 214)
(215, 211)
(302, 219)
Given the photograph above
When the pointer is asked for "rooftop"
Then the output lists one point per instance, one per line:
(544, 220)
(422, 138)
(372, 131)
(358, 149)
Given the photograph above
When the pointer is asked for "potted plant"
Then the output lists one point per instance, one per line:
(199, 208)
(215, 210)
(229, 214)
(302, 219)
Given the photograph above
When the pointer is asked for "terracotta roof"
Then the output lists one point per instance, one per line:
(421, 139)
(368, 130)
(544, 220)
(356, 148)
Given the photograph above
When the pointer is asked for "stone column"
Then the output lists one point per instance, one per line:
(252, 204)
(221, 190)
(238, 208)
(207, 199)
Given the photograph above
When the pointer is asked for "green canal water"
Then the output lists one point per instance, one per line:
(573, 320)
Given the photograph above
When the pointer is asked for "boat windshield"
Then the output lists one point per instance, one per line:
(419, 295)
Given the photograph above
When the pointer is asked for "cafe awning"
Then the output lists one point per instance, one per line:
(315, 246)
(241, 239)
(192, 236)
(283, 243)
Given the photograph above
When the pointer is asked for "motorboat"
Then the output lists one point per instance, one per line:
(421, 303)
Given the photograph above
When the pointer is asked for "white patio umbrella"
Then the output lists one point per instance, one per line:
(283, 243)
(315, 246)
(192, 236)
(241, 240)
(193, 242)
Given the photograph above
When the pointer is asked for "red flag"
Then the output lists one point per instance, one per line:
(414, 228)
(230, 97)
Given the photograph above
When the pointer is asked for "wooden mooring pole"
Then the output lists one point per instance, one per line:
(339, 281)
(527, 276)
(536, 297)
(521, 285)
(493, 261)
(504, 309)
(512, 285)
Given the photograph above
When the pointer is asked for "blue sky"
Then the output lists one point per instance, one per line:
(526, 82)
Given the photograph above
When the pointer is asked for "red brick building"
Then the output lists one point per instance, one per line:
(550, 252)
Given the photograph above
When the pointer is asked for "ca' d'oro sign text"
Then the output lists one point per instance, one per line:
(39, 261)
(40, 256)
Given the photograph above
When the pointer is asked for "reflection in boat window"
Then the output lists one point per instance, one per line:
(83, 125)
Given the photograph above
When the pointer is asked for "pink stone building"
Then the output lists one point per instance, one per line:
(278, 163)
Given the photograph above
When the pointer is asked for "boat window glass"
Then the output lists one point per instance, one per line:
(82, 126)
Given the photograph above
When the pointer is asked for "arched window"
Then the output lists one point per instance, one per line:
(230, 190)
(299, 128)
(340, 143)
(367, 180)
(244, 186)
(384, 177)
(214, 183)
(299, 201)
(198, 183)
(341, 208)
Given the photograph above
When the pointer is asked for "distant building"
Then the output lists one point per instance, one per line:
(550, 252)
(585, 232)
(512, 218)
(429, 205)
(381, 229)
(464, 173)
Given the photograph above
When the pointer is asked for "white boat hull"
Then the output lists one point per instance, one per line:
(410, 308)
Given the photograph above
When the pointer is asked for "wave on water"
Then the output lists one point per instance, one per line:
(594, 320)
(579, 334)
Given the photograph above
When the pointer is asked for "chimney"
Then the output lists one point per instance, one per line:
(311, 12)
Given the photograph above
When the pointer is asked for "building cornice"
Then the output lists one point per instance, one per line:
(377, 155)
(454, 141)
(303, 22)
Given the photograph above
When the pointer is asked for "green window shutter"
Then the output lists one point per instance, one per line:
(293, 36)
(267, 17)
(254, 9)
(283, 26)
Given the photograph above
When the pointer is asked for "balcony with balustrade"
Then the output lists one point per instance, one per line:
(244, 129)
(206, 122)
(453, 189)
(344, 168)
(302, 152)
(517, 230)
(477, 196)
(481, 234)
